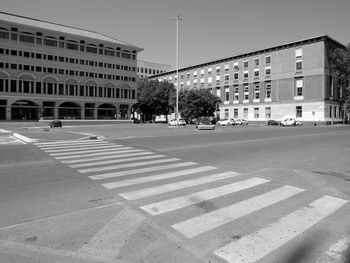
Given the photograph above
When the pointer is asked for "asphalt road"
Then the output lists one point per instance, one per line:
(149, 193)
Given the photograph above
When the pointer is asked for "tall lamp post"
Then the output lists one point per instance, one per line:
(177, 18)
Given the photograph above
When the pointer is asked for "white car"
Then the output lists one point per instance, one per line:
(288, 122)
(240, 122)
(225, 122)
(175, 122)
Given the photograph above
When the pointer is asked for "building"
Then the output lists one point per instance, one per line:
(146, 69)
(50, 71)
(289, 80)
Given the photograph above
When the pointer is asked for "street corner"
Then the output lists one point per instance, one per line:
(46, 134)
(105, 233)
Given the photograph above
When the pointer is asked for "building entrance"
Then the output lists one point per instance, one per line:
(24, 110)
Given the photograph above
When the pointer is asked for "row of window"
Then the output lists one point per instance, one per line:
(149, 71)
(65, 89)
(298, 113)
(67, 72)
(49, 57)
(39, 40)
(245, 71)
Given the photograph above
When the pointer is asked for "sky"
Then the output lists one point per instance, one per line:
(209, 30)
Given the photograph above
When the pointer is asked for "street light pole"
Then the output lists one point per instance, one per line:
(177, 18)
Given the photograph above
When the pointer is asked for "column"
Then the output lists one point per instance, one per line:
(8, 113)
(95, 113)
(82, 112)
(55, 112)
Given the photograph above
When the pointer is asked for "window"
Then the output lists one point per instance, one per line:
(299, 65)
(256, 62)
(72, 46)
(245, 113)
(209, 71)
(227, 67)
(245, 74)
(299, 86)
(267, 112)
(256, 113)
(245, 64)
(227, 78)
(298, 52)
(235, 75)
(91, 49)
(256, 72)
(268, 71)
(202, 72)
(267, 59)
(27, 39)
(236, 92)
(217, 69)
(227, 94)
(4, 35)
(235, 113)
(235, 65)
(218, 92)
(49, 42)
(226, 113)
(257, 91)
(268, 90)
(246, 91)
(299, 111)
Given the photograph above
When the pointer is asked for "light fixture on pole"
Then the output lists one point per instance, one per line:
(177, 18)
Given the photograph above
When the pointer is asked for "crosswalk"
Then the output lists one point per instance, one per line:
(160, 185)
(7, 139)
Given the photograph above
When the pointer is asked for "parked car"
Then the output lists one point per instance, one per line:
(56, 123)
(288, 122)
(273, 123)
(240, 122)
(205, 123)
(175, 122)
(225, 122)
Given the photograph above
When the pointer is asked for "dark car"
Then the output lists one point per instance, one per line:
(56, 123)
(273, 123)
(205, 123)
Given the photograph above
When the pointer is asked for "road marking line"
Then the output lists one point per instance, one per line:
(118, 161)
(337, 252)
(91, 151)
(195, 198)
(165, 188)
(127, 165)
(208, 221)
(115, 156)
(255, 246)
(76, 146)
(44, 144)
(157, 177)
(140, 171)
(113, 236)
(83, 148)
(96, 154)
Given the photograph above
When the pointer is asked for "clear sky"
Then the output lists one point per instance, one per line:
(210, 29)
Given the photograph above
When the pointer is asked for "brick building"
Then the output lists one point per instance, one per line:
(289, 80)
(49, 70)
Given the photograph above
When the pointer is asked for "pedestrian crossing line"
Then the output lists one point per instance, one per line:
(336, 253)
(116, 160)
(123, 160)
(90, 151)
(128, 165)
(198, 197)
(114, 156)
(83, 148)
(140, 170)
(44, 144)
(108, 153)
(166, 188)
(157, 177)
(255, 246)
(203, 223)
(74, 146)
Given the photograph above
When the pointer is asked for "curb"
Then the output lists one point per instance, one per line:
(23, 138)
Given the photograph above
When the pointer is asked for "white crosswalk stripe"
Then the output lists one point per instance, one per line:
(149, 187)
(158, 177)
(208, 221)
(255, 246)
(187, 200)
(141, 170)
(165, 188)
(106, 157)
(10, 140)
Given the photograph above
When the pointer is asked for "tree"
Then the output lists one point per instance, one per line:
(340, 67)
(154, 98)
(197, 103)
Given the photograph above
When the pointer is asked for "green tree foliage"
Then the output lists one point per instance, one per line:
(340, 67)
(197, 103)
(154, 98)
